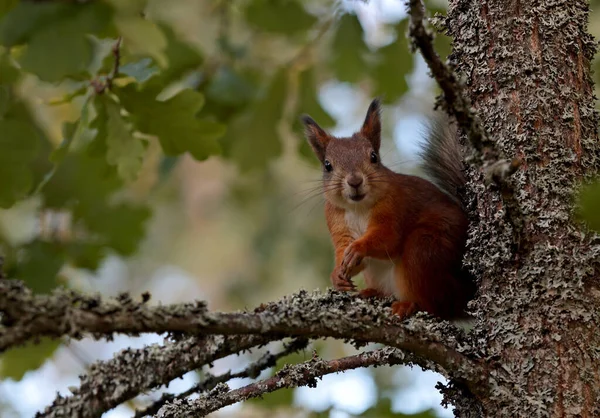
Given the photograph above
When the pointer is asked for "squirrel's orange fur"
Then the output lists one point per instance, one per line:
(404, 233)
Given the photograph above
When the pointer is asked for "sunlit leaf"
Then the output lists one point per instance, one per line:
(394, 64)
(16, 362)
(72, 131)
(279, 16)
(349, 50)
(143, 37)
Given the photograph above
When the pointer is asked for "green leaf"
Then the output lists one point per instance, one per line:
(173, 121)
(9, 73)
(589, 201)
(141, 36)
(84, 182)
(181, 56)
(123, 150)
(122, 227)
(55, 53)
(253, 138)
(20, 144)
(19, 23)
(383, 408)
(85, 255)
(395, 62)
(40, 266)
(349, 50)
(5, 94)
(6, 6)
(16, 362)
(230, 88)
(60, 48)
(279, 16)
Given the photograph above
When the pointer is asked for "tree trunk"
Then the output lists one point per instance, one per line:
(526, 65)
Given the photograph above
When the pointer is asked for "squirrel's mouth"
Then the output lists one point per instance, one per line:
(357, 197)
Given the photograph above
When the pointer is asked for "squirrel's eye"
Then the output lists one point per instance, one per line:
(328, 165)
(374, 158)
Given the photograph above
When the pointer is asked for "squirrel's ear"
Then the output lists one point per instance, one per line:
(316, 136)
(371, 128)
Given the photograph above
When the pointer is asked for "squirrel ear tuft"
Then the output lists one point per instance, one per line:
(316, 136)
(371, 128)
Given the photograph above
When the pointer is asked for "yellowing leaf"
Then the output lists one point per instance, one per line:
(143, 37)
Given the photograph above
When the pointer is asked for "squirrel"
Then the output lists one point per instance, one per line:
(406, 234)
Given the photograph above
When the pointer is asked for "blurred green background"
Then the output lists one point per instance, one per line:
(182, 171)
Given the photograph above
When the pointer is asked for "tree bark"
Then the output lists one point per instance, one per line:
(526, 65)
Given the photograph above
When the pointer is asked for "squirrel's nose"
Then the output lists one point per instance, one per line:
(354, 180)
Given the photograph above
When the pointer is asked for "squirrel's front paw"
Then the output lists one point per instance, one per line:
(353, 257)
(341, 282)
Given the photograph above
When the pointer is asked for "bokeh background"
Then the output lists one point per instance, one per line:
(207, 191)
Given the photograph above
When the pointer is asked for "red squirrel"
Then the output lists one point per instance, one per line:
(404, 233)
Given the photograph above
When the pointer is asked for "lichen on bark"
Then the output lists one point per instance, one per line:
(526, 65)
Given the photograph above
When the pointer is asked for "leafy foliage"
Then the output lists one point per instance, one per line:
(130, 79)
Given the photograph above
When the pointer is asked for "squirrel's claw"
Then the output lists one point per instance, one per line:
(341, 282)
(353, 256)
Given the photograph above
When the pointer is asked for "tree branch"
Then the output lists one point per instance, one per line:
(303, 374)
(433, 345)
(456, 100)
(131, 372)
(334, 314)
(252, 371)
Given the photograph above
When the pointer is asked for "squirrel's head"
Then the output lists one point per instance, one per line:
(352, 170)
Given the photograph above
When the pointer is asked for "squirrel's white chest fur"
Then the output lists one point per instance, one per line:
(379, 274)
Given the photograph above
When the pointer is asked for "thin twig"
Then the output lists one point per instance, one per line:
(99, 86)
(108, 384)
(303, 374)
(252, 371)
(116, 51)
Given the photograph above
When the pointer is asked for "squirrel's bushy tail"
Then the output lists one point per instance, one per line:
(442, 155)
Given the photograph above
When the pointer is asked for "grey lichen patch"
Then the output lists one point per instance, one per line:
(290, 376)
(526, 65)
(134, 371)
